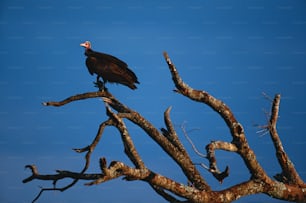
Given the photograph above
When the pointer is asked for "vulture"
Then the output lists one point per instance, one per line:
(109, 68)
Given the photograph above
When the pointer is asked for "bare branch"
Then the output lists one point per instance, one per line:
(267, 97)
(288, 174)
(191, 143)
(182, 159)
(94, 143)
(203, 97)
(224, 111)
(60, 175)
(76, 98)
(211, 148)
(76, 176)
(170, 133)
(129, 146)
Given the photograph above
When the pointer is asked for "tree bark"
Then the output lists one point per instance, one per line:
(287, 185)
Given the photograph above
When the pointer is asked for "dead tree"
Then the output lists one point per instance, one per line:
(287, 185)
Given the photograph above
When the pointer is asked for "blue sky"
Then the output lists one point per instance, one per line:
(235, 50)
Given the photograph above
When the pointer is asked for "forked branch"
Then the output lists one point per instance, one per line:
(289, 174)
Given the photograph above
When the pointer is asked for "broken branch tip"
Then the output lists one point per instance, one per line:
(45, 103)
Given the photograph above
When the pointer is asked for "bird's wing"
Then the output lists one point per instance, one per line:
(106, 58)
(115, 68)
(91, 63)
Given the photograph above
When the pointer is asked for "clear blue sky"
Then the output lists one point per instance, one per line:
(233, 49)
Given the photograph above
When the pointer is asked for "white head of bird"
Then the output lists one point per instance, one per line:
(86, 44)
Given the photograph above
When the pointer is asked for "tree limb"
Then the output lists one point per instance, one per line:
(182, 159)
(224, 111)
(129, 146)
(210, 148)
(76, 98)
(170, 132)
(289, 174)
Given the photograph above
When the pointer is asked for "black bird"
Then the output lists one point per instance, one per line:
(110, 68)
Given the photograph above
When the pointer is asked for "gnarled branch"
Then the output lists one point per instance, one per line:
(288, 187)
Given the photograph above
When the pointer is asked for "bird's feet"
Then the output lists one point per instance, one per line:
(99, 84)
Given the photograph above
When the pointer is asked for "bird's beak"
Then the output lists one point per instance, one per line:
(83, 45)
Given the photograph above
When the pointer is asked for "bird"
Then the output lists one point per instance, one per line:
(109, 68)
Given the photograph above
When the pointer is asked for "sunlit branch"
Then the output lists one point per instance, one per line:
(211, 148)
(225, 112)
(288, 174)
(182, 159)
(128, 144)
(170, 132)
(76, 98)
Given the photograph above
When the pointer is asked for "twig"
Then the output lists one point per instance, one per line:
(191, 143)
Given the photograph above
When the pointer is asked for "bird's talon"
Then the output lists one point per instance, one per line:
(99, 84)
